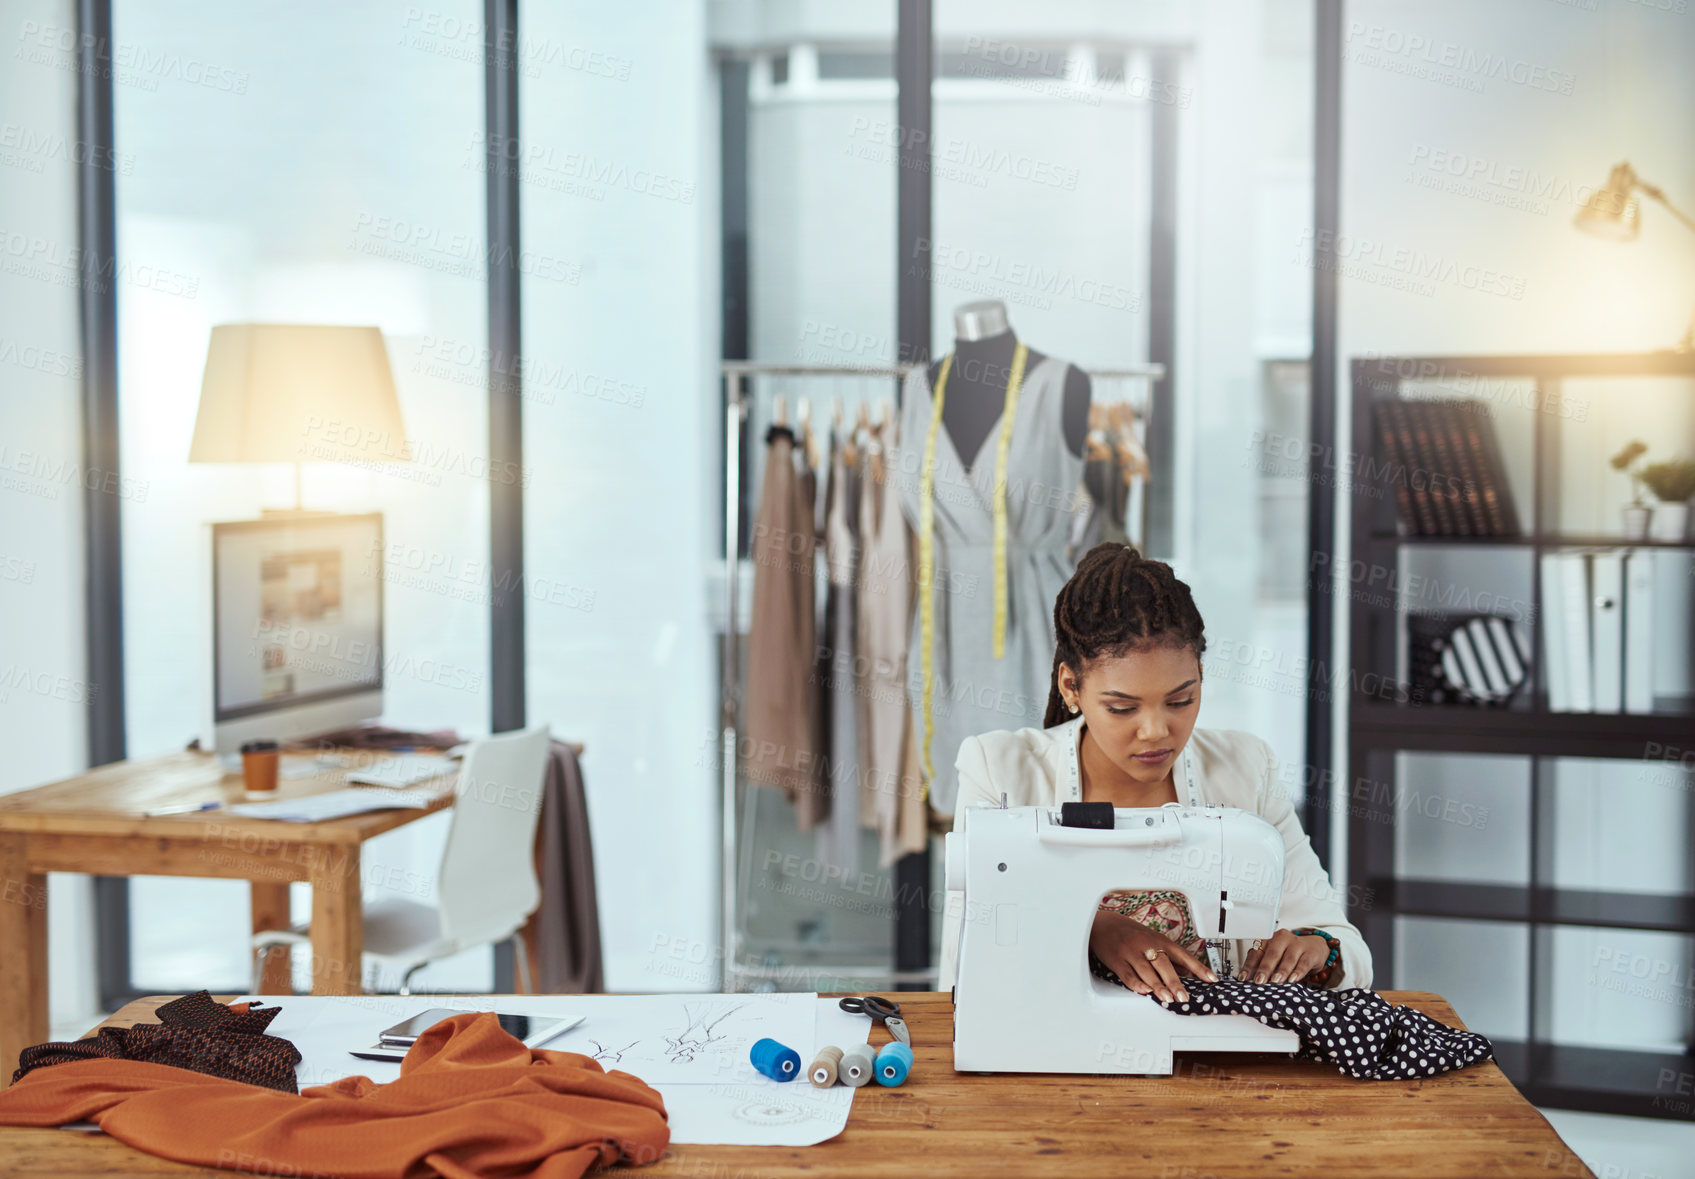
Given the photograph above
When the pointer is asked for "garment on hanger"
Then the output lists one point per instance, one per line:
(812, 803)
(471, 1100)
(1102, 521)
(782, 747)
(1113, 459)
(914, 820)
(997, 561)
(196, 1033)
(566, 955)
(839, 672)
(891, 791)
(1357, 1030)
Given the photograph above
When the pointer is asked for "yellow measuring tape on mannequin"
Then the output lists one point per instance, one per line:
(927, 538)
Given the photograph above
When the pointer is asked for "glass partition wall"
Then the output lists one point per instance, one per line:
(1104, 180)
(278, 177)
(1123, 183)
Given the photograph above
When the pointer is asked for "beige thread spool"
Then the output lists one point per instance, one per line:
(822, 1071)
(856, 1066)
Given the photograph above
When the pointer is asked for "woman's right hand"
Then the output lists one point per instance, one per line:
(1122, 943)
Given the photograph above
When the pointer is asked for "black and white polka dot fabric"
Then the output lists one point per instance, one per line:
(1358, 1030)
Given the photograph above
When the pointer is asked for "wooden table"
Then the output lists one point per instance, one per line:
(1218, 1117)
(96, 823)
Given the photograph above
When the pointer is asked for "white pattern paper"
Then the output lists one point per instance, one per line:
(692, 1048)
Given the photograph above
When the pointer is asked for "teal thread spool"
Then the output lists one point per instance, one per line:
(774, 1060)
(894, 1061)
(857, 1066)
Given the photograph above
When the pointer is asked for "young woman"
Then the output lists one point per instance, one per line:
(1125, 695)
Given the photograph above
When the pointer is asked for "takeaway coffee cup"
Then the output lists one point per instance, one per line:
(259, 766)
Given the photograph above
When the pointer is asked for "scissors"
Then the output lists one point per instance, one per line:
(881, 1011)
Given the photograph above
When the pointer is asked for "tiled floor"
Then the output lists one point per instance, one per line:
(1628, 1148)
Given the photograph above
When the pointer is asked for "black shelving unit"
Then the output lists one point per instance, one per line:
(1382, 725)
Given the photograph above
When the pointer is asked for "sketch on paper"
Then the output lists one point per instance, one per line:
(687, 1039)
(700, 1031)
(615, 1055)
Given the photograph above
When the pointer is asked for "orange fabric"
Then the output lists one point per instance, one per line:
(471, 1101)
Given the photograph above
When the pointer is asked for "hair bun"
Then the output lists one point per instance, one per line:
(1112, 605)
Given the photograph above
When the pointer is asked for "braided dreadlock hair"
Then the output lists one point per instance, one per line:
(1116, 602)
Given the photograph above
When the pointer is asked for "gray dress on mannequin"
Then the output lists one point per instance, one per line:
(973, 692)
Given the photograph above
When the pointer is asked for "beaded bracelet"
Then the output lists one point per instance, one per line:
(1320, 978)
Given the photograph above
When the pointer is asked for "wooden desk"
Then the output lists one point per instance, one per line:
(1218, 1117)
(95, 823)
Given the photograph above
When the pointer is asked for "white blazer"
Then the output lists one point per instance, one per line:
(1039, 767)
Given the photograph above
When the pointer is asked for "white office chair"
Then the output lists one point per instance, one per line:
(487, 886)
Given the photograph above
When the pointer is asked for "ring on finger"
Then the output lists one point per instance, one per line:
(1152, 954)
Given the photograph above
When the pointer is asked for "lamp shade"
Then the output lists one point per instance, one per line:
(1612, 211)
(293, 393)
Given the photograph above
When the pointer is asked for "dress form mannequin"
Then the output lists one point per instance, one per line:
(992, 555)
(982, 363)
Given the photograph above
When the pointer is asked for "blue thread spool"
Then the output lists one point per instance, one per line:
(894, 1061)
(774, 1060)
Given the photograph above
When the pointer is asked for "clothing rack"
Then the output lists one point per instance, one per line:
(740, 395)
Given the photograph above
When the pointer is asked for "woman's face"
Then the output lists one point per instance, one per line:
(1140, 708)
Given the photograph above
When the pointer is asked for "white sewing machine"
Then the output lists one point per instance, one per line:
(1025, 1000)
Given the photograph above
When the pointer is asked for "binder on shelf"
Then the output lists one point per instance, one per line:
(1574, 602)
(1454, 417)
(1430, 474)
(1448, 480)
(1417, 473)
(1455, 483)
(1556, 675)
(1639, 631)
(1607, 587)
(1398, 466)
(1486, 455)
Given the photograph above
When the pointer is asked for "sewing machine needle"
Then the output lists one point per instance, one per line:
(1218, 959)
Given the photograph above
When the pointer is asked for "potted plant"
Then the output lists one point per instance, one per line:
(1672, 483)
(1635, 512)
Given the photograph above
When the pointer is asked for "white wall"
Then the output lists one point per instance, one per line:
(1627, 68)
(43, 688)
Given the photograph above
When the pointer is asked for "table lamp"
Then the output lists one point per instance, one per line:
(1613, 212)
(297, 393)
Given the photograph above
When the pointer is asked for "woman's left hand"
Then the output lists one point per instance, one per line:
(1286, 956)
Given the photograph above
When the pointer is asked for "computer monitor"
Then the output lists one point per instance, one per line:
(297, 627)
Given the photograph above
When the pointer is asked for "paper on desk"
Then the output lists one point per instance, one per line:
(692, 1048)
(403, 769)
(333, 804)
(298, 766)
(688, 1039)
